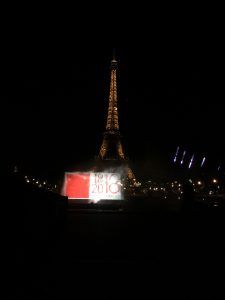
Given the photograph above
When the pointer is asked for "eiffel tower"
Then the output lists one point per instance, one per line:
(111, 155)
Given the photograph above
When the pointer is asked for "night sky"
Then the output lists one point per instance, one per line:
(56, 83)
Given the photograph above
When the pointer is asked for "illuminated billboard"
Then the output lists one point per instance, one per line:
(93, 186)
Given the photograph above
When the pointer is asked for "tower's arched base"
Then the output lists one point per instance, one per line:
(117, 166)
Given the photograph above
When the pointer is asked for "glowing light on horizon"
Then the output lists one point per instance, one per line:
(203, 161)
(175, 157)
(182, 160)
(191, 161)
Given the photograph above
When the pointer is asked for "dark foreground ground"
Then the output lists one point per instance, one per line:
(153, 251)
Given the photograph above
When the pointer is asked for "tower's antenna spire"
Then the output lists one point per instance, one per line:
(114, 55)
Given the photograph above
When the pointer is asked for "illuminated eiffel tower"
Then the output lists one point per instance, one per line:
(111, 155)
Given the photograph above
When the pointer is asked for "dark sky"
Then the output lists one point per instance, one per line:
(56, 81)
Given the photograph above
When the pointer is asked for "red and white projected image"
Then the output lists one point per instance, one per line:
(93, 186)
